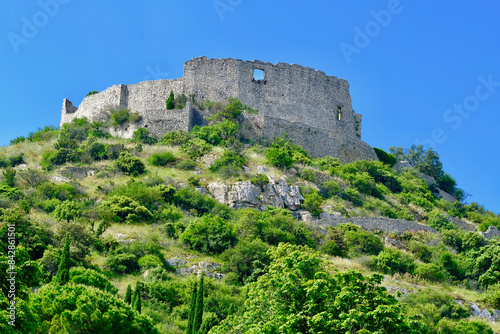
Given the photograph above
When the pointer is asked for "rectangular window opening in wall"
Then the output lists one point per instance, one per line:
(258, 76)
(339, 112)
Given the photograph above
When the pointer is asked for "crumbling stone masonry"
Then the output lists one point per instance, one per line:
(314, 109)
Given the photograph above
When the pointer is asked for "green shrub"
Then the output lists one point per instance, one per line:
(149, 261)
(186, 164)
(209, 234)
(449, 263)
(387, 158)
(493, 295)
(261, 180)
(9, 177)
(229, 164)
(122, 263)
(90, 277)
(161, 158)
(175, 138)
(129, 164)
(283, 153)
(430, 271)
(170, 101)
(123, 209)
(196, 147)
(438, 221)
(188, 199)
(353, 196)
(142, 135)
(62, 192)
(312, 203)
(329, 189)
(92, 93)
(391, 261)
(363, 242)
(68, 210)
(120, 117)
(327, 163)
(308, 174)
(248, 260)
(334, 242)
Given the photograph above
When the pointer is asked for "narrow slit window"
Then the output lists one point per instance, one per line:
(339, 113)
(258, 75)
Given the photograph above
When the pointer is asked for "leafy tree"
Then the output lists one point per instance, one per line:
(334, 242)
(31, 177)
(128, 295)
(283, 153)
(438, 221)
(298, 295)
(170, 101)
(386, 158)
(62, 276)
(229, 164)
(312, 203)
(86, 310)
(449, 264)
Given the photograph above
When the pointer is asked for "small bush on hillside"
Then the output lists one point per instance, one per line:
(327, 163)
(387, 158)
(196, 147)
(308, 174)
(248, 260)
(261, 180)
(129, 164)
(123, 209)
(209, 234)
(353, 196)
(438, 221)
(149, 261)
(391, 261)
(161, 158)
(312, 203)
(430, 271)
(329, 189)
(119, 117)
(186, 164)
(283, 153)
(229, 164)
(122, 263)
(90, 277)
(363, 242)
(334, 242)
(175, 138)
(142, 135)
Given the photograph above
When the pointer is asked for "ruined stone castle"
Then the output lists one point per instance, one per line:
(314, 109)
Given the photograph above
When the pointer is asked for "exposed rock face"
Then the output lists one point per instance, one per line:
(246, 195)
(476, 311)
(491, 233)
(206, 268)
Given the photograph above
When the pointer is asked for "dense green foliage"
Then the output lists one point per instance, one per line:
(298, 295)
(81, 245)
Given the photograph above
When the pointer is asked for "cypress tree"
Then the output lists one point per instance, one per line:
(136, 298)
(128, 295)
(62, 276)
(192, 306)
(170, 101)
(198, 314)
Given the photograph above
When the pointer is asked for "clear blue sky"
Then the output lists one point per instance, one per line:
(417, 70)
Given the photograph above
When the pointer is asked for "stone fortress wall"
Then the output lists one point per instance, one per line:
(314, 109)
